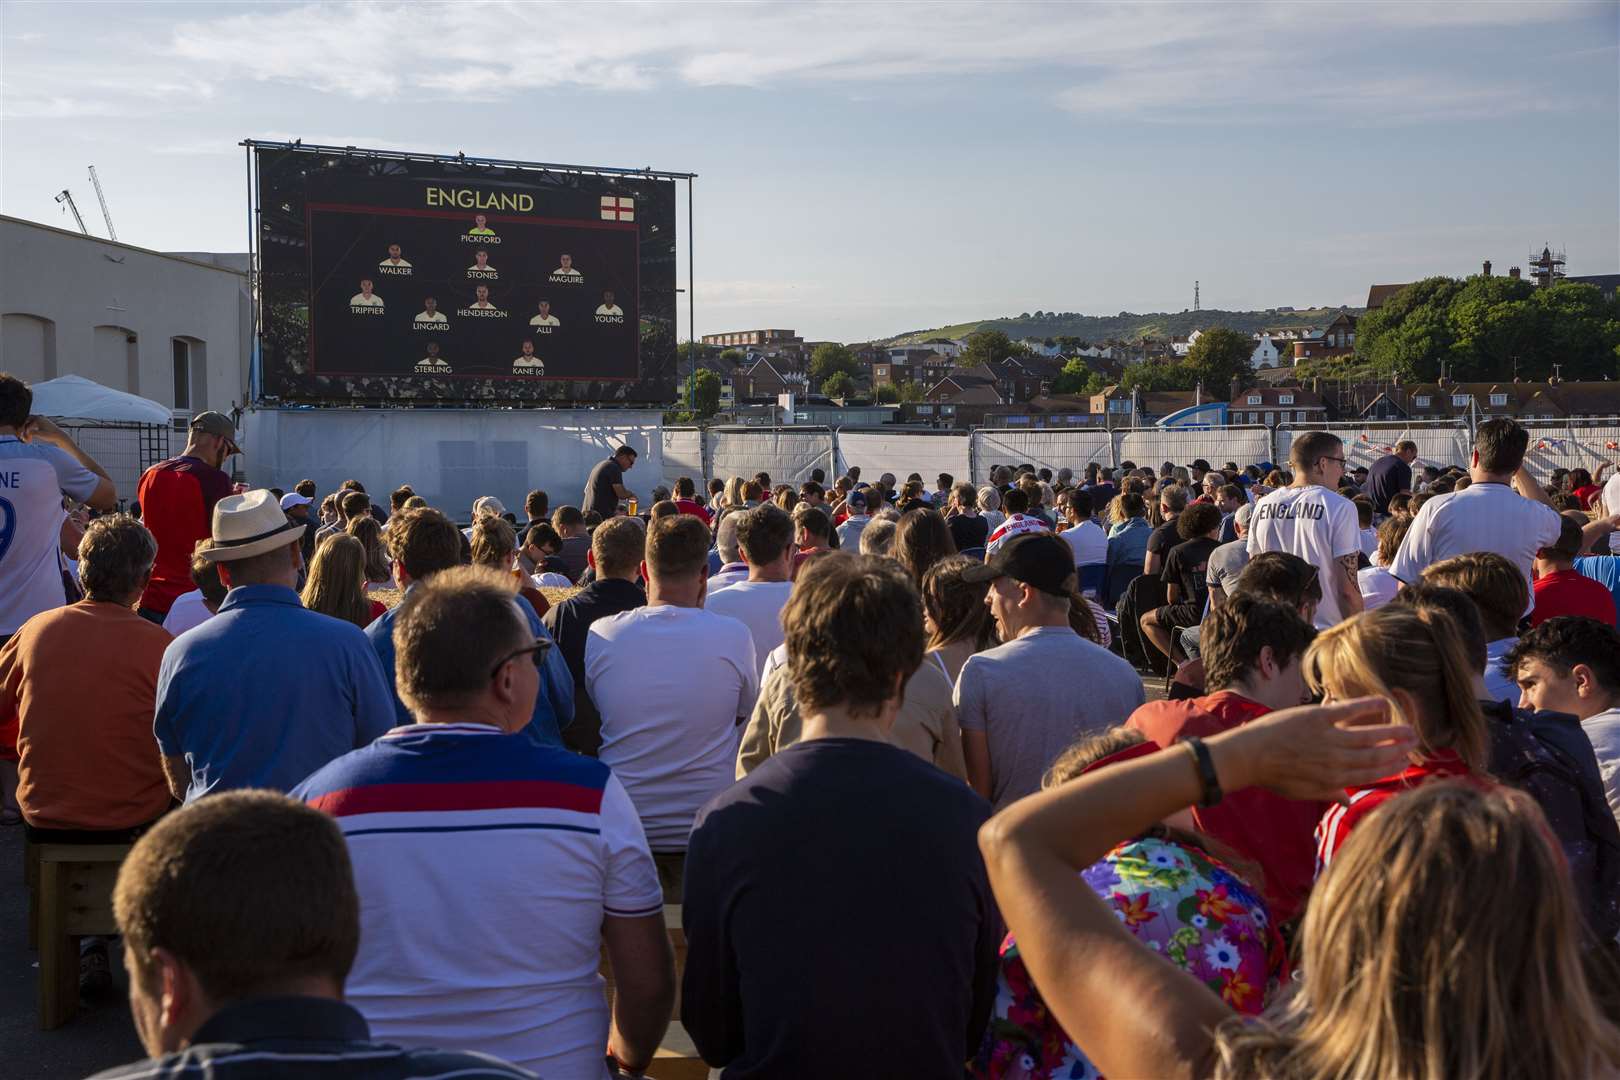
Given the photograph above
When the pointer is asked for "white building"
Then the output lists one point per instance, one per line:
(173, 328)
(1266, 354)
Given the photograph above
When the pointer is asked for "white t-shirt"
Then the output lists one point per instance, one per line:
(1318, 525)
(1369, 542)
(1609, 500)
(544, 320)
(33, 478)
(486, 267)
(1089, 542)
(1378, 586)
(360, 299)
(758, 605)
(430, 316)
(188, 611)
(610, 309)
(1603, 730)
(672, 685)
(1481, 517)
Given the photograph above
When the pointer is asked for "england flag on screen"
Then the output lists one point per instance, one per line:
(618, 208)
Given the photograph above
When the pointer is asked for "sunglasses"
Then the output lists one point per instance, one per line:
(537, 651)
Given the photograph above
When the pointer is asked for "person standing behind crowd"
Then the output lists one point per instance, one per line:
(1390, 475)
(177, 499)
(39, 464)
(781, 948)
(265, 692)
(672, 682)
(336, 584)
(1488, 515)
(765, 537)
(616, 550)
(460, 808)
(1015, 716)
(1310, 519)
(423, 542)
(240, 924)
(605, 489)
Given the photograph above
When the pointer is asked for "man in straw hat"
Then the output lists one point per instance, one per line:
(265, 692)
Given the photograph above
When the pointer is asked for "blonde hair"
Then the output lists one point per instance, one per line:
(1422, 653)
(493, 543)
(337, 580)
(369, 533)
(1419, 960)
(734, 492)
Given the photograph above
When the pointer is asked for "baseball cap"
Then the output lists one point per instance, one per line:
(1040, 560)
(292, 499)
(488, 504)
(216, 423)
(856, 498)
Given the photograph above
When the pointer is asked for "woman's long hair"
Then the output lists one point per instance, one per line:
(337, 580)
(1443, 941)
(920, 540)
(1422, 653)
(956, 607)
(369, 533)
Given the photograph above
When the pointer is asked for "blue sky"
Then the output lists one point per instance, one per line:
(867, 169)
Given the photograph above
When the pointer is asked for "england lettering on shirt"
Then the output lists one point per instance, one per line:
(33, 479)
(1319, 526)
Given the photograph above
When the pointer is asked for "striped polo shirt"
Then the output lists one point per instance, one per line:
(1340, 818)
(485, 865)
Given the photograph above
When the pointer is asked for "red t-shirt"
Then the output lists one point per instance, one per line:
(687, 506)
(1586, 494)
(1275, 833)
(177, 500)
(1340, 819)
(1569, 592)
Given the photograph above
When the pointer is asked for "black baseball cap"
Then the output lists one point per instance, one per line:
(1040, 560)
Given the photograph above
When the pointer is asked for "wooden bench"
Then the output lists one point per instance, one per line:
(71, 887)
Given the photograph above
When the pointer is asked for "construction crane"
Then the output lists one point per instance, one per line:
(66, 198)
(112, 234)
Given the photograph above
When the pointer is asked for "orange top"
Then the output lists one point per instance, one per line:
(83, 680)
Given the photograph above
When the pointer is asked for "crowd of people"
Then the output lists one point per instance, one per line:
(402, 792)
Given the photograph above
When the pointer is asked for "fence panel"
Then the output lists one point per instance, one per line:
(1440, 443)
(1148, 447)
(683, 456)
(1052, 448)
(902, 453)
(788, 454)
(124, 450)
(1571, 444)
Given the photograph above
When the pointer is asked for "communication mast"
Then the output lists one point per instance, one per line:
(1195, 296)
(66, 199)
(112, 234)
(1548, 267)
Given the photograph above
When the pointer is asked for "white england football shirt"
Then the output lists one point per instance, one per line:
(436, 316)
(544, 320)
(1481, 517)
(33, 478)
(360, 299)
(1318, 525)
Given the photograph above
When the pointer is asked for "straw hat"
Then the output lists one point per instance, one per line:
(248, 525)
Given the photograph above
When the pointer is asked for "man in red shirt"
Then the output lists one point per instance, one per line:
(177, 500)
(1563, 590)
(1252, 650)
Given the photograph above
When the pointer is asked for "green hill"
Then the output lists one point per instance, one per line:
(1127, 326)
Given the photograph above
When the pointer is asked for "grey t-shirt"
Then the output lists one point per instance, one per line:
(1226, 563)
(1034, 696)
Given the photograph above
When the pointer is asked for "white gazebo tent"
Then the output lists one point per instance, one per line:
(124, 432)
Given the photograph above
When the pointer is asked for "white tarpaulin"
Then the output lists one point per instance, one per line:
(683, 456)
(903, 453)
(1050, 448)
(1439, 444)
(82, 399)
(450, 456)
(788, 454)
(1149, 447)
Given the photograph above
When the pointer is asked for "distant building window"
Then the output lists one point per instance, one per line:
(1285, 399)
(1459, 399)
(1498, 399)
(925, 410)
(948, 410)
(1421, 401)
(1301, 416)
(1254, 399)
(182, 374)
(1017, 419)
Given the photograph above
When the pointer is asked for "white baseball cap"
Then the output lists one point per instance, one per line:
(292, 499)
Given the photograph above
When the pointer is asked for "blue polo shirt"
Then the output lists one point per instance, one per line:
(266, 692)
(553, 705)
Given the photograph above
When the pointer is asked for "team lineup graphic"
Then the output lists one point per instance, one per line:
(523, 299)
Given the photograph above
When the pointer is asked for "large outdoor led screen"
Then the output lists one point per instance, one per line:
(433, 280)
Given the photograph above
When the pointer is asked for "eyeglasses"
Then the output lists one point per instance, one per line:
(1340, 460)
(537, 650)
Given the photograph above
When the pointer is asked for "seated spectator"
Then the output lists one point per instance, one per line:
(352, 505)
(538, 557)
(921, 539)
(1417, 662)
(1127, 545)
(576, 542)
(1431, 872)
(783, 845)
(1283, 577)
(1253, 650)
(812, 535)
(1364, 523)
(1171, 501)
(733, 568)
(1185, 576)
(969, 528)
(877, 538)
(616, 550)
(198, 606)
(955, 616)
(265, 692)
(989, 502)
(482, 507)
(379, 572)
(1227, 561)
(1017, 522)
(494, 544)
(855, 520)
(1501, 594)
(1378, 586)
(1016, 717)
(765, 537)
(672, 682)
(467, 667)
(1085, 536)
(423, 543)
(1561, 590)
(240, 924)
(1173, 893)
(336, 584)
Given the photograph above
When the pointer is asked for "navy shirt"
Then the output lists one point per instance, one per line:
(570, 625)
(553, 705)
(819, 946)
(1388, 477)
(304, 1037)
(266, 692)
